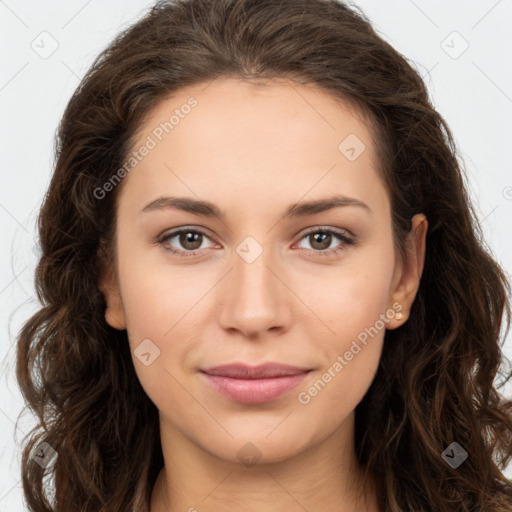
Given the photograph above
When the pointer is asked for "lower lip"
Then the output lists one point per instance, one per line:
(254, 391)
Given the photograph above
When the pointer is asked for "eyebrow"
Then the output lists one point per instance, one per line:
(207, 209)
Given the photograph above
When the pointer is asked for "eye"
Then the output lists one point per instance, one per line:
(320, 239)
(190, 239)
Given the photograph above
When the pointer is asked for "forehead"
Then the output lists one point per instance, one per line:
(230, 134)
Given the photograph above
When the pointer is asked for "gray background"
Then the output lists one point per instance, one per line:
(459, 47)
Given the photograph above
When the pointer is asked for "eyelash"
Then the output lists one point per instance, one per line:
(346, 240)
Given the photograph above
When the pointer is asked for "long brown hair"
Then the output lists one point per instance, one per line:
(436, 380)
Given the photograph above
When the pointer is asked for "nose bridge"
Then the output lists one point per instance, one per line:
(253, 298)
(253, 281)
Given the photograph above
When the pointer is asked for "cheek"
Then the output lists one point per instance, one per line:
(160, 304)
(351, 349)
(156, 306)
(351, 298)
(353, 308)
(353, 346)
(156, 296)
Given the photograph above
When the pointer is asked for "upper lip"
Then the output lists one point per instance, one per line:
(263, 371)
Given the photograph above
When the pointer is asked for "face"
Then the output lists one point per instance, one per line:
(266, 280)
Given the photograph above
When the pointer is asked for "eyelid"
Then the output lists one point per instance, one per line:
(329, 229)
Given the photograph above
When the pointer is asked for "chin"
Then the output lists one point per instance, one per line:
(256, 446)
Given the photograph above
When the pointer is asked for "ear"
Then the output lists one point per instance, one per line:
(109, 287)
(407, 275)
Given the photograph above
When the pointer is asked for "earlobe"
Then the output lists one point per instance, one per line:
(109, 287)
(114, 314)
(411, 269)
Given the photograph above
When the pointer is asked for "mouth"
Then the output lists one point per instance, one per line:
(253, 385)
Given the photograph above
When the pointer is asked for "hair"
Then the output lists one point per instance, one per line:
(436, 379)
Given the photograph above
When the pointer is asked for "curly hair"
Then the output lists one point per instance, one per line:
(436, 379)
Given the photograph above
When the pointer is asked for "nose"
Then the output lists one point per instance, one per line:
(254, 298)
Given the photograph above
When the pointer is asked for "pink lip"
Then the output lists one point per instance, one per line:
(253, 385)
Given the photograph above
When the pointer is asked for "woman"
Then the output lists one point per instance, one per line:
(263, 284)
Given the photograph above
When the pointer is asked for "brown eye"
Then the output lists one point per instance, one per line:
(189, 240)
(320, 240)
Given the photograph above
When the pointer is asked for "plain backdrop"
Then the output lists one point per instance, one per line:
(460, 48)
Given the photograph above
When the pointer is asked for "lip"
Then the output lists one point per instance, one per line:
(254, 384)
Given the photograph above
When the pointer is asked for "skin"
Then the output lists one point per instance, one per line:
(253, 150)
